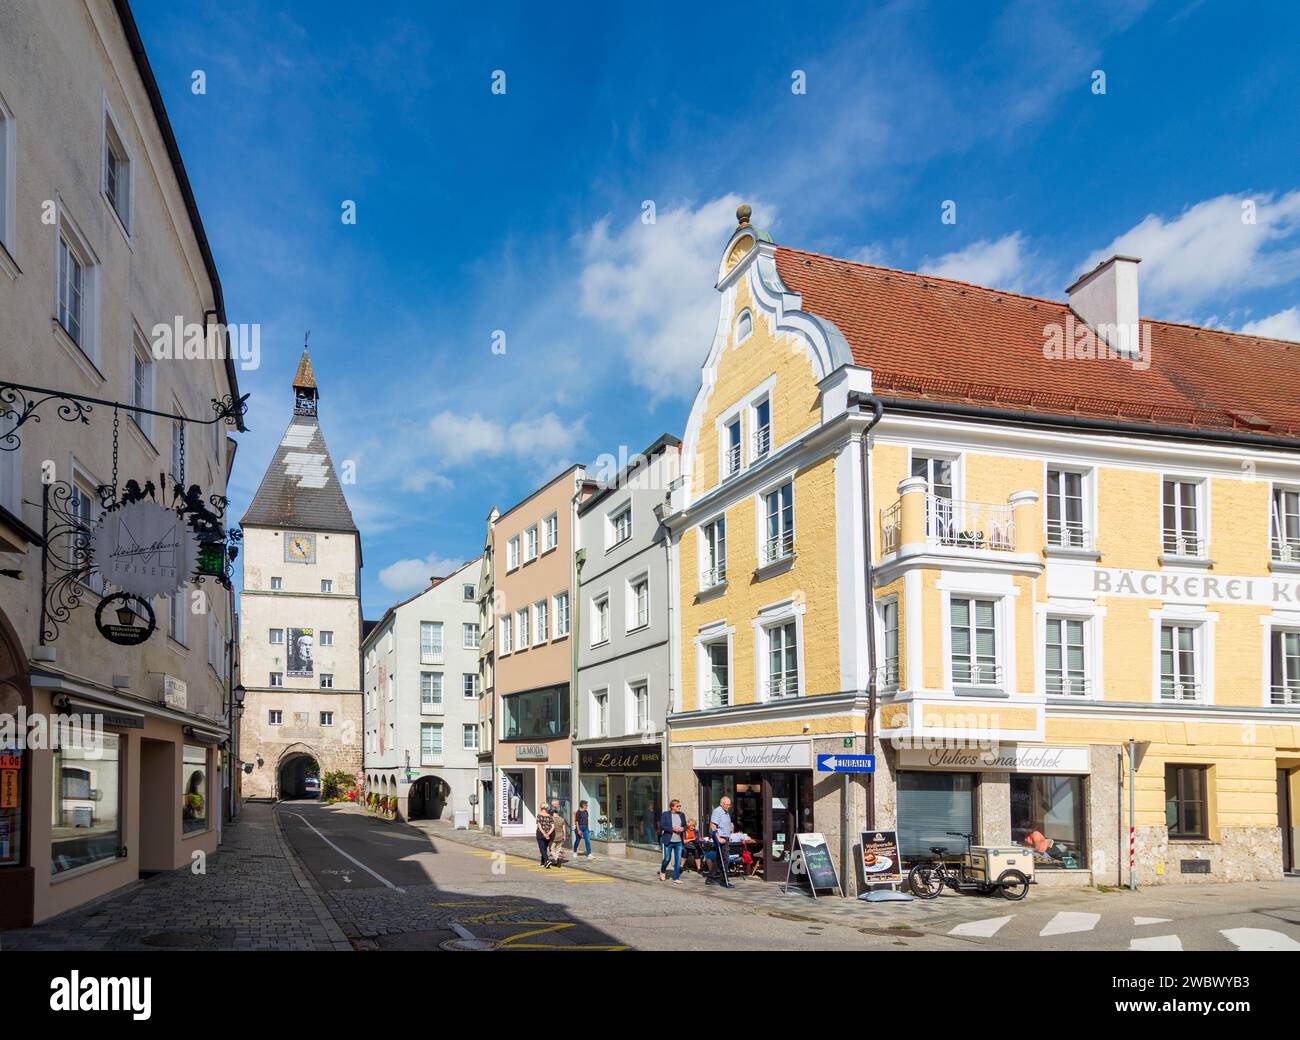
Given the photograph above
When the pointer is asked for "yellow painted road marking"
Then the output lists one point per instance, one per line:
(589, 880)
(547, 946)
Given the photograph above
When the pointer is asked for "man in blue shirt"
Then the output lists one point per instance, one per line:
(721, 828)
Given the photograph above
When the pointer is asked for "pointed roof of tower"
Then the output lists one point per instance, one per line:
(306, 378)
(301, 488)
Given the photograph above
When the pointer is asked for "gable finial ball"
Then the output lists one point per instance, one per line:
(743, 212)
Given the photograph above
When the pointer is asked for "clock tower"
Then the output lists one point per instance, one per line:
(300, 623)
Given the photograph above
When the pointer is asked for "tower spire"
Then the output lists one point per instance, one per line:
(305, 392)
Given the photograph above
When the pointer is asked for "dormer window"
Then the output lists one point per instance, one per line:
(744, 326)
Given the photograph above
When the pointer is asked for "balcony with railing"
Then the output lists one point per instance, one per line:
(762, 441)
(778, 548)
(1185, 690)
(1067, 685)
(719, 696)
(1285, 550)
(976, 673)
(782, 686)
(731, 461)
(711, 577)
(1068, 534)
(887, 677)
(1183, 543)
(1287, 694)
(953, 523)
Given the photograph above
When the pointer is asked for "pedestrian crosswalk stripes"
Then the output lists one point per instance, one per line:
(1156, 942)
(985, 929)
(1076, 922)
(1067, 921)
(1255, 939)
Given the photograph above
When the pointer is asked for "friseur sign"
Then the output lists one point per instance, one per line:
(633, 759)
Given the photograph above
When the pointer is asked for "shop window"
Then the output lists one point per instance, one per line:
(1047, 816)
(539, 714)
(194, 789)
(13, 761)
(643, 810)
(87, 825)
(929, 806)
(1185, 797)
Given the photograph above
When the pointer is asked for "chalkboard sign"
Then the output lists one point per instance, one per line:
(812, 862)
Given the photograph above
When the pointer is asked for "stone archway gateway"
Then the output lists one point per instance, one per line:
(296, 763)
(427, 798)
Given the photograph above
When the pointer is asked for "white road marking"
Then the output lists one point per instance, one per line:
(985, 929)
(1157, 942)
(1259, 939)
(1070, 921)
(1140, 921)
(346, 856)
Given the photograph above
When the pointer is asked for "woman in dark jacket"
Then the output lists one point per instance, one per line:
(672, 826)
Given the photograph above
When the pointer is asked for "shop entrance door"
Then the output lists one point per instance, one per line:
(780, 824)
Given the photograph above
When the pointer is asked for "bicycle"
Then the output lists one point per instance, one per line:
(926, 880)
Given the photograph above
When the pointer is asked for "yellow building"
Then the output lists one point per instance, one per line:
(1083, 531)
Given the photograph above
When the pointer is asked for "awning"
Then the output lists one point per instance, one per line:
(212, 739)
(111, 716)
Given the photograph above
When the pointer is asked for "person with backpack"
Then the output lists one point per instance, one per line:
(672, 827)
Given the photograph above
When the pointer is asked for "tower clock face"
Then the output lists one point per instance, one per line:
(300, 548)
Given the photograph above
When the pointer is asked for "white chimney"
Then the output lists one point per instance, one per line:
(1107, 299)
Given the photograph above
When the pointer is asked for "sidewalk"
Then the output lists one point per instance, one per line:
(253, 896)
(756, 896)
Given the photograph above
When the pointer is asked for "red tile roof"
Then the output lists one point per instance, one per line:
(938, 339)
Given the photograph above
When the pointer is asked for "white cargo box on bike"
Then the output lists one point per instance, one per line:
(987, 862)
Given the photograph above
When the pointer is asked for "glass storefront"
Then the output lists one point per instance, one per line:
(87, 807)
(929, 806)
(770, 807)
(624, 805)
(194, 789)
(1047, 816)
(559, 784)
(13, 763)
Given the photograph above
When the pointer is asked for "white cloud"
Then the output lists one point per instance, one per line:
(999, 263)
(1209, 248)
(407, 576)
(1282, 325)
(652, 284)
(459, 438)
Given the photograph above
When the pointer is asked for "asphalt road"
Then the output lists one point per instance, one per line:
(395, 886)
(400, 888)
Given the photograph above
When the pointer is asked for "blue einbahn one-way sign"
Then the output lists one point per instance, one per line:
(846, 763)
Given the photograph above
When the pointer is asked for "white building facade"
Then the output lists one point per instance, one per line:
(422, 691)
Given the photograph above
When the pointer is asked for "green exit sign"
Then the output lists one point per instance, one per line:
(848, 741)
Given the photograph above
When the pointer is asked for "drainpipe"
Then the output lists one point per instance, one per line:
(1132, 809)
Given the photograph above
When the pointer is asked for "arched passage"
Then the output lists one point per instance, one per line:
(297, 763)
(428, 798)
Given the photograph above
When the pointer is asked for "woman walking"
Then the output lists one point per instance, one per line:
(544, 830)
(672, 827)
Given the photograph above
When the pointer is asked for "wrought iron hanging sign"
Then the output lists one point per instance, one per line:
(145, 549)
(125, 619)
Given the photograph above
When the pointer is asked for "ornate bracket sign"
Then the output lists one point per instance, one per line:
(120, 626)
(144, 549)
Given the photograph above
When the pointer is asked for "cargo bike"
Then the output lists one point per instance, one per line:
(983, 868)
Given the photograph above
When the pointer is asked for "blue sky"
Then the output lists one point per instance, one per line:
(521, 211)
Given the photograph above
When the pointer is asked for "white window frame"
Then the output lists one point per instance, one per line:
(277, 583)
(560, 610)
(744, 326)
(885, 683)
(275, 716)
(84, 486)
(121, 203)
(468, 592)
(522, 631)
(713, 567)
(1280, 626)
(761, 444)
(1065, 619)
(634, 621)
(551, 527)
(1001, 666)
(469, 635)
(433, 756)
(433, 648)
(770, 618)
(433, 699)
(79, 247)
(469, 736)
(635, 723)
(531, 543)
(512, 553)
(613, 526)
(600, 612)
(327, 637)
(731, 457)
(507, 628)
(327, 680)
(541, 621)
(272, 634)
(327, 585)
(1283, 551)
(599, 698)
(327, 718)
(470, 694)
(1200, 491)
(142, 357)
(276, 680)
(8, 187)
(1204, 624)
(1084, 540)
(787, 536)
(1000, 589)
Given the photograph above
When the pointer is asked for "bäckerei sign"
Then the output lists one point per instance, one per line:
(144, 549)
(1014, 759)
(1195, 588)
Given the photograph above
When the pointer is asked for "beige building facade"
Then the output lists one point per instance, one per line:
(101, 243)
